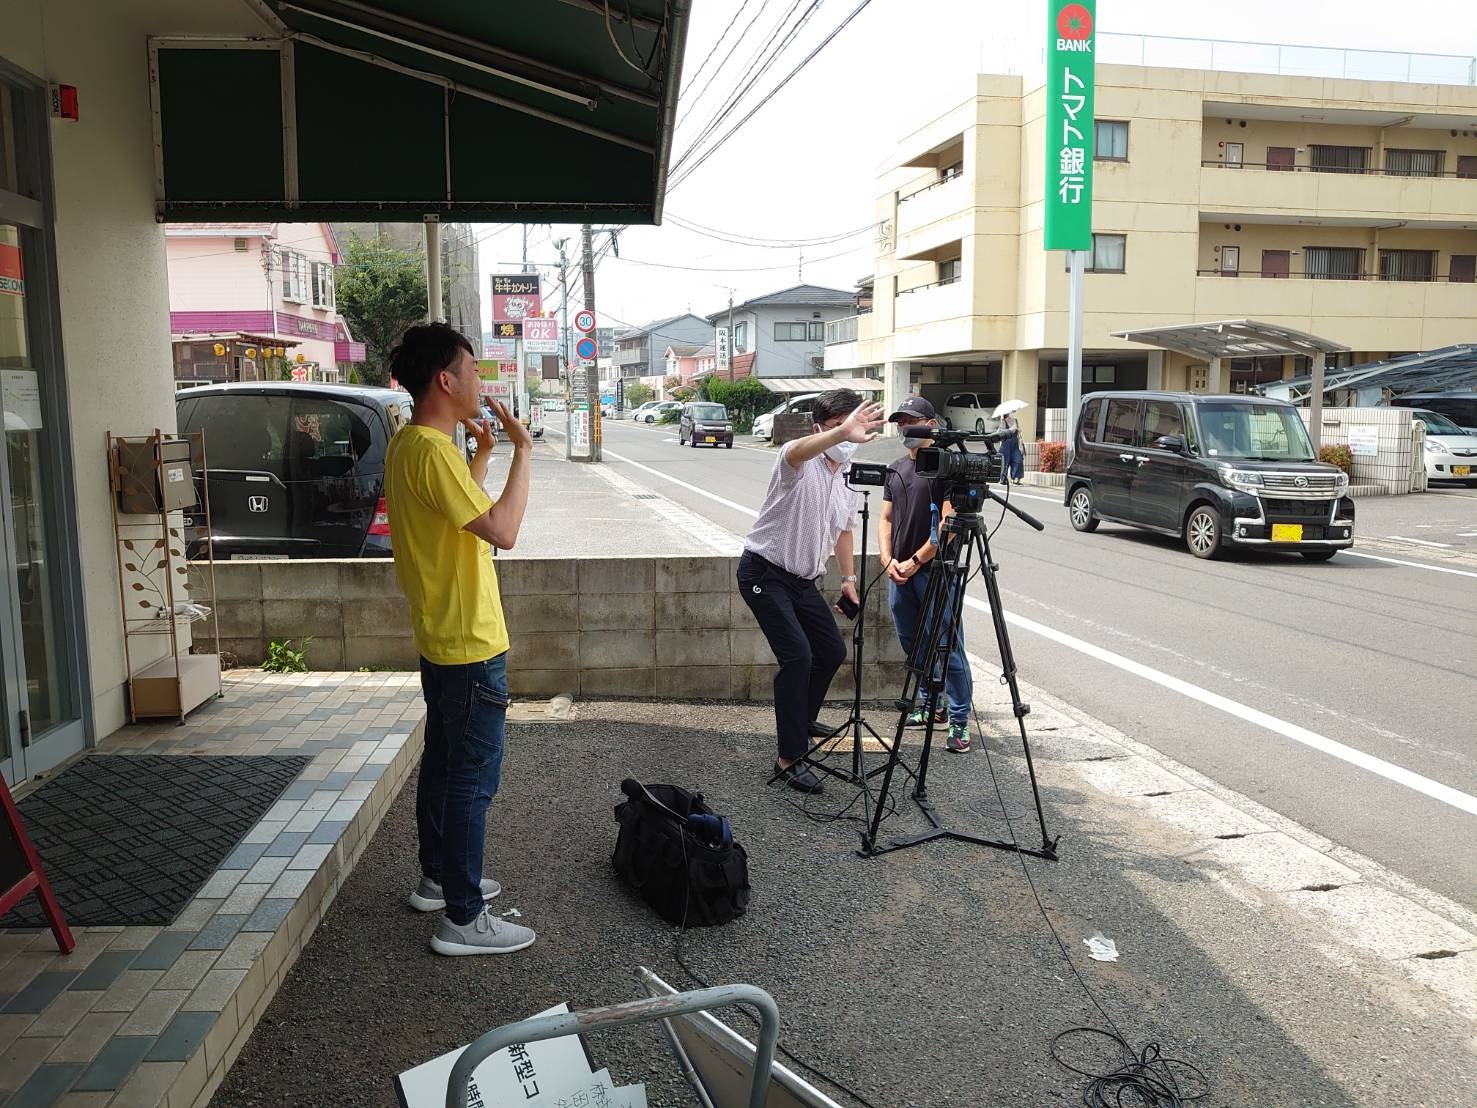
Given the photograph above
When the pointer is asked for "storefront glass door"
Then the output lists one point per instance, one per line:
(39, 633)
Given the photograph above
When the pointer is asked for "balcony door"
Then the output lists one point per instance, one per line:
(1276, 263)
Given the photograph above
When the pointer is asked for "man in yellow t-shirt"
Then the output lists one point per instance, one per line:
(442, 525)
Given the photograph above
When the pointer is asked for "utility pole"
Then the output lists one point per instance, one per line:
(519, 357)
(564, 340)
(591, 375)
(730, 335)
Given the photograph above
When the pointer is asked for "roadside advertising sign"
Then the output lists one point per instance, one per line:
(541, 336)
(515, 297)
(1070, 74)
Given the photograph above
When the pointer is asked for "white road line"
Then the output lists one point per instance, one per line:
(1412, 565)
(1419, 542)
(1466, 534)
(1388, 770)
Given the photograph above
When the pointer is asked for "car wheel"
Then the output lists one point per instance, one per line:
(1203, 532)
(1079, 510)
(694, 442)
(729, 445)
(979, 427)
(1318, 555)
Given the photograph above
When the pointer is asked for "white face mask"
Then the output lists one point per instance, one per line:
(841, 453)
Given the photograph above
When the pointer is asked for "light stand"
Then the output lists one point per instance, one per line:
(962, 536)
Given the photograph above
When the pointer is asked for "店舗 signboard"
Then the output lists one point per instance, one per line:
(541, 336)
(515, 297)
(12, 276)
(1069, 124)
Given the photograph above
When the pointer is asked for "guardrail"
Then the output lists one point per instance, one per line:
(1254, 274)
(841, 330)
(1368, 171)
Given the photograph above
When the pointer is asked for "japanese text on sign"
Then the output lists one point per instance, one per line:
(1070, 79)
(515, 297)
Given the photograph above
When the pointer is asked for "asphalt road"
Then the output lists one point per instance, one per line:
(1340, 695)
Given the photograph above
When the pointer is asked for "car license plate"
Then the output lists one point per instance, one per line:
(1460, 471)
(1287, 532)
(710, 438)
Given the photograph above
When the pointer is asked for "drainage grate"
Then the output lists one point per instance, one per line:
(1320, 888)
(645, 496)
(1233, 835)
(1432, 955)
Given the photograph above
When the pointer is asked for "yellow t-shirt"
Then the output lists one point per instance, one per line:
(446, 573)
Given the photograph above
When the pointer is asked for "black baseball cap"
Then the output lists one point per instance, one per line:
(913, 406)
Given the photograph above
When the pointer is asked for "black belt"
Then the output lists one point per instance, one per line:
(781, 570)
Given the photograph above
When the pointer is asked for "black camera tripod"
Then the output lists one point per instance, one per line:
(962, 538)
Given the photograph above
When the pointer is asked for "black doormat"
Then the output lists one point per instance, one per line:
(129, 840)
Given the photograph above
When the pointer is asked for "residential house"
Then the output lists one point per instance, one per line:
(1337, 207)
(255, 301)
(782, 334)
(640, 352)
(687, 362)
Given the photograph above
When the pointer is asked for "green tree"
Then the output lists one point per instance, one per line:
(381, 292)
(638, 394)
(743, 398)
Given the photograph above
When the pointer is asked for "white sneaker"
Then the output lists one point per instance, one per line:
(487, 934)
(429, 898)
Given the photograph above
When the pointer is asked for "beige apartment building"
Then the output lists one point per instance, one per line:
(1343, 208)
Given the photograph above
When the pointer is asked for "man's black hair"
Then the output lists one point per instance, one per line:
(424, 351)
(836, 402)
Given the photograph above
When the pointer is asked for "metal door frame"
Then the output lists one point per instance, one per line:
(37, 220)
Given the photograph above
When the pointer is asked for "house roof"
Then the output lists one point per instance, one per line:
(684, 350)
(801, 296)
(655, 326)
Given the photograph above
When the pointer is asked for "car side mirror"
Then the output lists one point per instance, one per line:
(1175, 444)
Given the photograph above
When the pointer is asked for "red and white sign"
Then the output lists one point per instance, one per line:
(515, 297)
(541, 336)
(584, 321)
(299, 373)
(12, 276)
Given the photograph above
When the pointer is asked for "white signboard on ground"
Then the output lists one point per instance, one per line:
(1364, 440)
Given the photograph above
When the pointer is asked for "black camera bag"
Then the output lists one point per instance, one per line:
(689, 881)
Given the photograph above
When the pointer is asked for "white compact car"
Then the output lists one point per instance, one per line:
(966, 411)
(1451, 452)
(763, 426)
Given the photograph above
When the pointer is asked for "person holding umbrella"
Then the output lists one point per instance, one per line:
(1011, 454)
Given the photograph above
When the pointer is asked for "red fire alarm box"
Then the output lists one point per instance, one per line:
(64, 102)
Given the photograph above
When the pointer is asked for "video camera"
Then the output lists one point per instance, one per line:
(966, 475)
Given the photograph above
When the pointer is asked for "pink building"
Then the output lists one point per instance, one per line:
(689, 362)
(255, 301)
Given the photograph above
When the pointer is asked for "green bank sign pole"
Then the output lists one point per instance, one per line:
(1071, 38)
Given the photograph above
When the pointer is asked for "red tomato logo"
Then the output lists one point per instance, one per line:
(1074, 22)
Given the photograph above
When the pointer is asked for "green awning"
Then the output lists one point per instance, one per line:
(533, 111)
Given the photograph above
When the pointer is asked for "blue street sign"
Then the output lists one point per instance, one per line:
(585, 349)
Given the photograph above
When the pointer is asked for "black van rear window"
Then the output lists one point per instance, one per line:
(242, 432)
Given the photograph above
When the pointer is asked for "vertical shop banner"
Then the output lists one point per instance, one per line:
(515, 297)
(1070, 75)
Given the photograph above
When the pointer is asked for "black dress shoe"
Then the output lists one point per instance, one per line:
(819, 730)
(799, 778)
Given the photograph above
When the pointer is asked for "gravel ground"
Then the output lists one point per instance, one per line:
(925, 979)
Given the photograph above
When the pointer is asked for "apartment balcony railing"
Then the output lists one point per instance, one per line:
(1247, 274)
(1372, 171)
(1286, 59)
(841, 330)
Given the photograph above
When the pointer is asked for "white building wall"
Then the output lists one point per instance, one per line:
(114, 289)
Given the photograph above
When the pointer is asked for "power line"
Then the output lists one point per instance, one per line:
(737, 239)
(739, 269)
(712, 53)
(770, 96)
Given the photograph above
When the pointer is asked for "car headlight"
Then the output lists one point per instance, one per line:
(1340, 481)
(1248, 480)
(1433, 447)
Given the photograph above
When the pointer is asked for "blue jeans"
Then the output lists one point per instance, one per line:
(906, 601)
(461, 766)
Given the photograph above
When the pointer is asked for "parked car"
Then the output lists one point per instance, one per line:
(1451, 451)
(705, 422)
(654, 413)
(295, 470)
(638, 414)
(967, 411)
(1215, 471)
(552, 403)
(763, 426)
(1459, 407)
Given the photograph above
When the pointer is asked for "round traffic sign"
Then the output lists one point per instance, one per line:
(585, 348)
(584, 321)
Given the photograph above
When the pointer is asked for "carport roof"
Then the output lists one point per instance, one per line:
(819, 384)
(1448, 369)
(536, 111)
(1231, 338)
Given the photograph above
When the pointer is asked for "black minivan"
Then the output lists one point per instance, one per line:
(295, 470)
(1216, 471)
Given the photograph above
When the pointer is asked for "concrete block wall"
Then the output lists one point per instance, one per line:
(670, 628)
(1400, 465)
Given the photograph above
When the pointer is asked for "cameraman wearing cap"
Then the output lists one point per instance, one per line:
(806, 516)
(907, 551)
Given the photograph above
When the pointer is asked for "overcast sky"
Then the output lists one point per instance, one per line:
(805, 166)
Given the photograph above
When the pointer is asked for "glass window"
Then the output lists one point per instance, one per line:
(1414, 163)
(1123, 422)
(1110, 141)
(1108, 254)
(741, 337)
(324, 438)
(789, 332)
(1333, 263)
(1254, 431)
(708, 412)
(1407, 265)
(949, 271)
(242, 433)
(817, 330)
(1102, 374)
(1436, 423)
(949, 172)
(1338, 159)
(1161, 417)
(1091, 412)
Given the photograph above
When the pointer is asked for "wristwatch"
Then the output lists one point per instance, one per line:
(850, 578)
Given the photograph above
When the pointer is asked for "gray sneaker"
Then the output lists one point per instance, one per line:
(428, 896)
(487, 934)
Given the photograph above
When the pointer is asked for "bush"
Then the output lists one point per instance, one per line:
(671, 415)
(1053, 456)
(639, 394)
(1339, 456)
(744, 399)
(282, 658)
